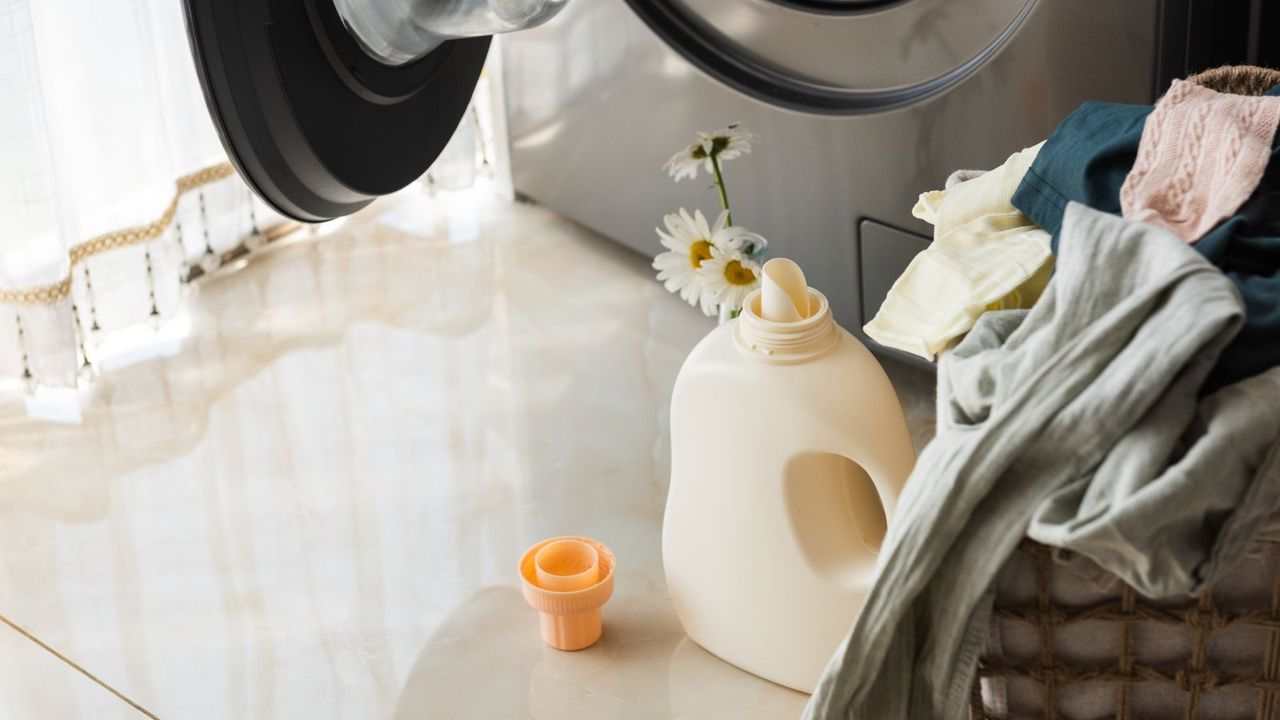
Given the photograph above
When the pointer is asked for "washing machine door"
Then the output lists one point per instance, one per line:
(837, 56)
(323, 105)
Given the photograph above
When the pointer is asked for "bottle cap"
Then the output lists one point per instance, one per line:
(567, 580)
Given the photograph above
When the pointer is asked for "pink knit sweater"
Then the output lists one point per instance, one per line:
(1202, 154)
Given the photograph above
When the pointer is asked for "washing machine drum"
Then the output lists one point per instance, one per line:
(840, 57)
(323, 105)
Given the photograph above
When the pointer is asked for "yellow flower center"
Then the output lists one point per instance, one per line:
(736, 274)
(718, 143)
(699, 251)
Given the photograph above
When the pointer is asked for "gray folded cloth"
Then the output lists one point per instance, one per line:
(1079, 422)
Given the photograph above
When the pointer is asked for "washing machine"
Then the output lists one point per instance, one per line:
(323, 105)
(859, 105)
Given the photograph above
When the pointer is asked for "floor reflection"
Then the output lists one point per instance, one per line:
(311, 502)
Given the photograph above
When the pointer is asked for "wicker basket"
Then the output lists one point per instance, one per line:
(1238, 79)
(1072, 642)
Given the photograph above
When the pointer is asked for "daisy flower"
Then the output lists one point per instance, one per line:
(691, 242)
(688, 244)
(730, 276)
(723, 144)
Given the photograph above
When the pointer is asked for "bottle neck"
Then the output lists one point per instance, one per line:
(790, 342)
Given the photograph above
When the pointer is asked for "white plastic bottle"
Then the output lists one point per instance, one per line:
(789, 449)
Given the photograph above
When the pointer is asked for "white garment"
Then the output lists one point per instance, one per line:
(986, 255)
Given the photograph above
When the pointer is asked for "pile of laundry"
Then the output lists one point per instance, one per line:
(1105, 309)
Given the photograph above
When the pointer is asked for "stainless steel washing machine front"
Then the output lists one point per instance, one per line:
(859, 106)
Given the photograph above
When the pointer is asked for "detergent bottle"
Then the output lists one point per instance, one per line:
(789, 450)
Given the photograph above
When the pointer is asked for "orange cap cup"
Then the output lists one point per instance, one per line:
(567, 580)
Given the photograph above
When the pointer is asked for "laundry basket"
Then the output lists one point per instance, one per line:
(1069, 641)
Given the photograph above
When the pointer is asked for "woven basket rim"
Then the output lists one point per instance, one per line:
(1237, 79)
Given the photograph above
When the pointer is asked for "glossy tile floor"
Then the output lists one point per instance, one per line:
(310, 501)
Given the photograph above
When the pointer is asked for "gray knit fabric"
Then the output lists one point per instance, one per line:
(1077, 421)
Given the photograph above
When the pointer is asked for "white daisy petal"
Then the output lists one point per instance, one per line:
(700, 224)
(708, 304)
(685, 163)
(667, 240)
(688, 221)
(671, 222)
(720, 222)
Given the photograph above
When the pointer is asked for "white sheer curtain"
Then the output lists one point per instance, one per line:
(113, 186)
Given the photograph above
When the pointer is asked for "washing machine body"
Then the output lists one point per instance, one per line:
(324, 105)
(859, 107)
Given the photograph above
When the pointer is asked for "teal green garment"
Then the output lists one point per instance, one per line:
(1087, 159)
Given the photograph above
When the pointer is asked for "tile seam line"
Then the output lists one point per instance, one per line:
(23, 632)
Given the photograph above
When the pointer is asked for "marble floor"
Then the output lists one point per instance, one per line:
(306, 497)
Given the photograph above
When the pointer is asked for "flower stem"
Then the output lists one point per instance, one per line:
(724, 195)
